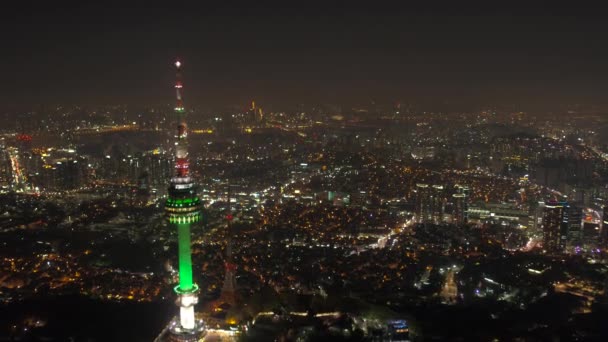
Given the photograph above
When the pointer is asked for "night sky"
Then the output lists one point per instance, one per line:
(340, 53)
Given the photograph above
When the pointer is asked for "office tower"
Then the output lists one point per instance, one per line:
(430, 203)
(575, 225)
(461, 205)
(555, 226)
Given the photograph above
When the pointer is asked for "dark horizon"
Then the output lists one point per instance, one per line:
(339, 53)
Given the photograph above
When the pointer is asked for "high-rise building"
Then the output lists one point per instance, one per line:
(422, 202)
(141, 194)
(458, 212)
(555, 226)
(575, 225)
(5, 168)
(537, 217)
(183, 209)
(461, 205)
(430, 203)
(591, 235)
(73, 173)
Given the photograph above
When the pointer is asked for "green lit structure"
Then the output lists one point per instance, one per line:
(182, 209)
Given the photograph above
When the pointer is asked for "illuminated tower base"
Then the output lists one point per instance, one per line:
(174, 333)
(186, 327)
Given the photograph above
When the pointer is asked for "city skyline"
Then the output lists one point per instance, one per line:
(332, 172)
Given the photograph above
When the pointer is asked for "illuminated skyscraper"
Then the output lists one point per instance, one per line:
(182, 209)
(555, 226)
(458, 210)
(461, 205)
(575, 225)
(430, 203)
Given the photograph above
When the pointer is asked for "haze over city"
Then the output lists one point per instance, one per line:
(340, 171)
(334, 52)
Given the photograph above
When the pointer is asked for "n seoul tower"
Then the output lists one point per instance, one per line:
(182, 209)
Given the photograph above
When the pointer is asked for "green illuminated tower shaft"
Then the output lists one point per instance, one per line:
(182, 209)
(185, 259)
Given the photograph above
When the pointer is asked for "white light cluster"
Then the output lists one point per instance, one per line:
(181, 180)
(188, 300)
(183, 186)
(186, 317)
